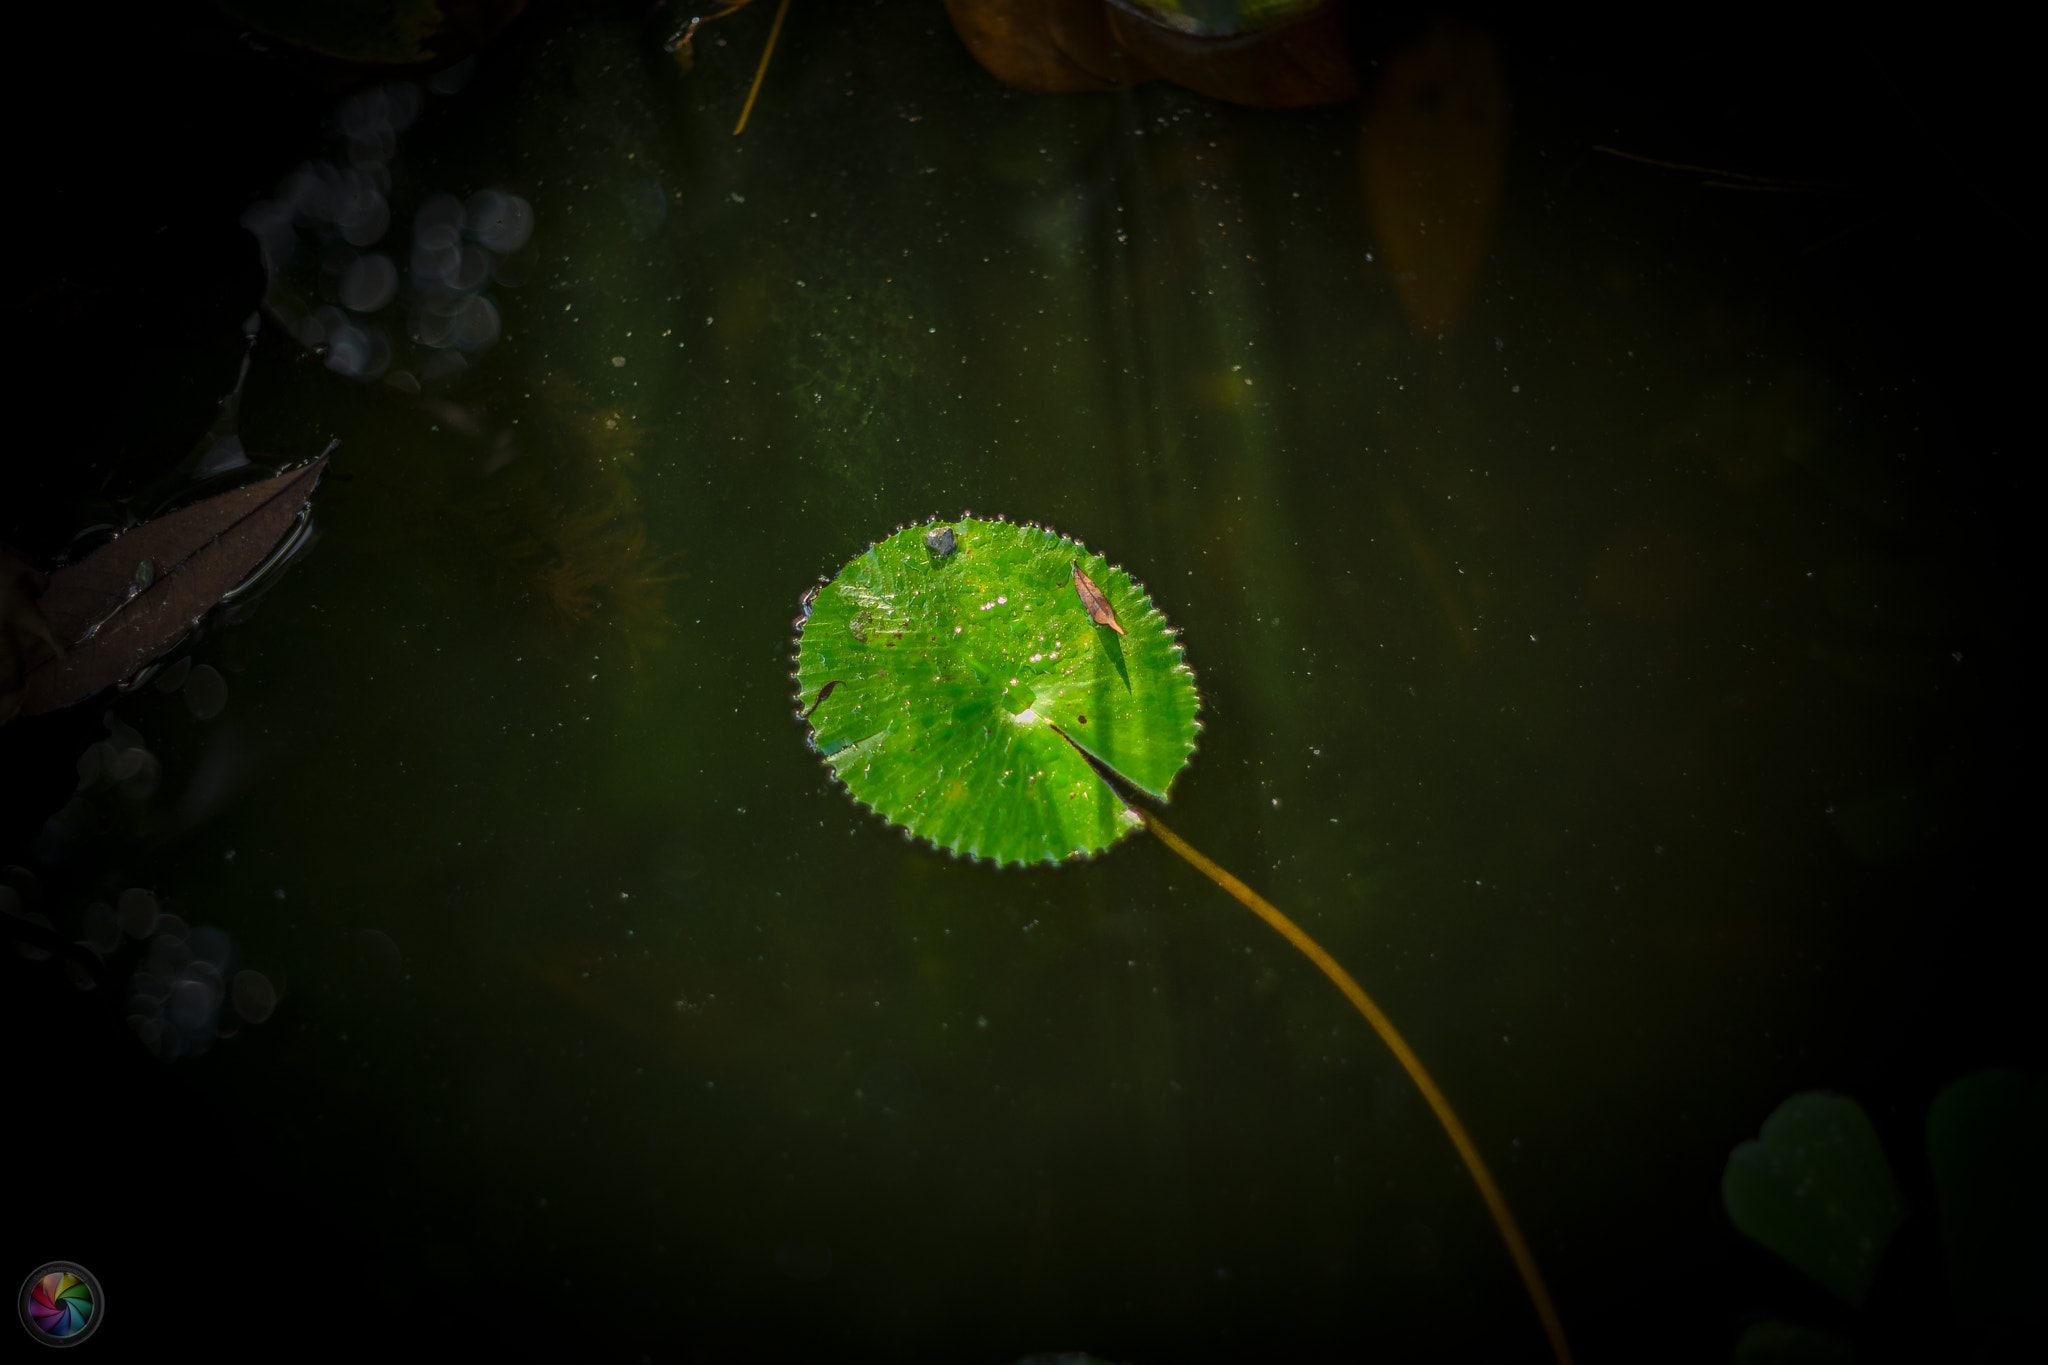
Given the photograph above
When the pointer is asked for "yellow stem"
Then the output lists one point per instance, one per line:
(1496, 1203)
(774, 31)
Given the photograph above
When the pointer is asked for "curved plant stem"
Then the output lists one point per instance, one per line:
(774, 32)
(1496, 1203)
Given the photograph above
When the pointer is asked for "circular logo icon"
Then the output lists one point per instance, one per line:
(61, 1303)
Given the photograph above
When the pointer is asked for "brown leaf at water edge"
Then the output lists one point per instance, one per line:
(1294, 59)
(1099, 610)
(1048, 47)
(134, 598)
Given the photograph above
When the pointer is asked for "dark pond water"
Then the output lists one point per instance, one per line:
(1588, 681)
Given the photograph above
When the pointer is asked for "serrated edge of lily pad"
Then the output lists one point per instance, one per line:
(1172, 630)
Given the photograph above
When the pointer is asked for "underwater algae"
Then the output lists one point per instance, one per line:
(594, 562)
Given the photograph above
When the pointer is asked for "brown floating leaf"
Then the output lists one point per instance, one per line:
(1099, 610)
(137, 596)
(1295, 57)
(1049, 47)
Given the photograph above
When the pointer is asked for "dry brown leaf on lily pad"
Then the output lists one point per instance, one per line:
(1099, 610)
(130, 601)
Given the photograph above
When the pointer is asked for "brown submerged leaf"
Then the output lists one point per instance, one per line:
(1099, 610)
(1431, 151)
(136, 596)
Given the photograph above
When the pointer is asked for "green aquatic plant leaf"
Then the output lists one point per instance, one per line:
(945, 671)
(1814, 1186)
(976, 683)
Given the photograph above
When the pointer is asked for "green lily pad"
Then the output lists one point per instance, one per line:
(945, 671)
(1816, 1189)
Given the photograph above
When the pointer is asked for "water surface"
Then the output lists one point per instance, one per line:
(1565, 676)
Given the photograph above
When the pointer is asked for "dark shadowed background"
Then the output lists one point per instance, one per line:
(1627, 687)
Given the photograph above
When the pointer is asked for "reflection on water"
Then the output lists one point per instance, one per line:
(183, 989)
(315, 235)
(1562, 612)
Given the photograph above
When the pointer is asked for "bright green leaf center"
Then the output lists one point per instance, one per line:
(953, 677)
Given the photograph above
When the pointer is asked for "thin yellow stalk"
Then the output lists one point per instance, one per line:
(1496, 1203)
(774, 32)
